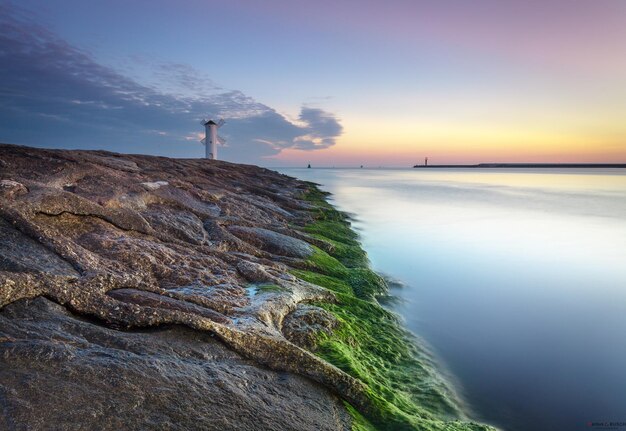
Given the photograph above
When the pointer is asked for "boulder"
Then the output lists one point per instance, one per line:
(9, 189)
(303, 326)
(273, 242)
(253, 272)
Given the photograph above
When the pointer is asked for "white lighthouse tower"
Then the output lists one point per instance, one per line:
(211, 138)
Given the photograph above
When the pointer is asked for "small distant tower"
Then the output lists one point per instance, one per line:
(425, 161)
(211, 139)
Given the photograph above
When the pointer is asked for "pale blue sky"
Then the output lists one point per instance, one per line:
(414, 76)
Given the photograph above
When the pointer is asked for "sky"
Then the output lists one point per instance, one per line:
(349, 83)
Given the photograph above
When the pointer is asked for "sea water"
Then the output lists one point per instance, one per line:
(516, 278)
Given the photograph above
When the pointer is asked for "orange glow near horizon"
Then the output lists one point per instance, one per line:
(371, 143)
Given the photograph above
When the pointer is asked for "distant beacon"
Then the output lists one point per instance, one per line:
(211, 139)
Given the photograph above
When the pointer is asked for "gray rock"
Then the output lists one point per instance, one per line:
(19, 253)
(273, 242)
(59, 372)
(303, 326)
(253, 272)
(117, 163)
(155, 300)
(184, 200)
(154, 185)
(182, 225)
(10, 189)
(80, 239)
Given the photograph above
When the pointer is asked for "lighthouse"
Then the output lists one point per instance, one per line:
(211, 139)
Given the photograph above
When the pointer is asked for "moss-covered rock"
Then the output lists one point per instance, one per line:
(369, 343)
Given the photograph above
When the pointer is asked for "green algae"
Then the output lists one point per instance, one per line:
(359, 423)
(351, 254)
(337, 231)
(331, 283)
(363, 282)
(324, 263)
(370, 344)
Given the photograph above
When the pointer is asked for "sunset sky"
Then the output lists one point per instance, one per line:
(333, 83)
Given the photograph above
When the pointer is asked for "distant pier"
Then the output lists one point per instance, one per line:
(527, 165)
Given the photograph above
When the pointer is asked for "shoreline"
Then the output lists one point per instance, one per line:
(369, 327)
(258, 261)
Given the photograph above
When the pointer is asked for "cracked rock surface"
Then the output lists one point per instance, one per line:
(125, 297)
(59, 371)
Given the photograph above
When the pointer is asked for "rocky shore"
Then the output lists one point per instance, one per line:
(141, 292)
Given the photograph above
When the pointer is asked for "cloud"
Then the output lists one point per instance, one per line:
(183, 80)
(55, 95)
(322, 129)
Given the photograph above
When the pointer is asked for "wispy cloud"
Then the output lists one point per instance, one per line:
(54, 94)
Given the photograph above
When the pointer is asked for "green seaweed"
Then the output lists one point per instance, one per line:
(322, 209)
(370, 343)
(315, 195)
(364, 282)
(359, 423)
(324, 263)
(338, 231)
(331, 283)
(350, 254)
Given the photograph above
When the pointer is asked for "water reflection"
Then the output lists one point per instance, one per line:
(516, 278)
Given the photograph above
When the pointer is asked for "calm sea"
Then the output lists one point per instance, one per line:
(515, 278)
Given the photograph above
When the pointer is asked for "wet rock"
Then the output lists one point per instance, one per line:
(154, 185)
(117, 163)
(253, 272)
(303, 326)
(19, 253)
(150, 299)
(221, 297)
(182, 225)
(185, 200)
(16, 288)
(10, 189)
(69, 187)
(90, 236)
(52, 202)
(60, 372)
(223, 239)
(273, 242)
